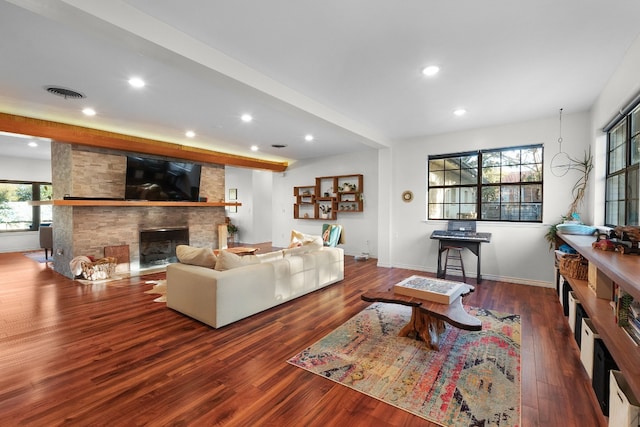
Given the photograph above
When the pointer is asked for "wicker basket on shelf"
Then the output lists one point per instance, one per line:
(574, 266)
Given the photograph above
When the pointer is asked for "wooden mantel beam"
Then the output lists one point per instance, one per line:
(63, 132)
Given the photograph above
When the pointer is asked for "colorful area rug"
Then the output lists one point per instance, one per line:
(474, 380)
(159, 287)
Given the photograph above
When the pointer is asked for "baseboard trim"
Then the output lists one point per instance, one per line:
(517, 280)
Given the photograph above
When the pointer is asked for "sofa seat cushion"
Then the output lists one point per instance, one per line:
(228, 260)
(202, 257)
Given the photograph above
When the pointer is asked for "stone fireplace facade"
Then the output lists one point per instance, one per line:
(86, 230)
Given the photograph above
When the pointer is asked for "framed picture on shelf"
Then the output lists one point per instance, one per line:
(233, 209)
(233, 194)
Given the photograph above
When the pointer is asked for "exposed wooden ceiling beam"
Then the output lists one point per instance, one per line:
(62, 132)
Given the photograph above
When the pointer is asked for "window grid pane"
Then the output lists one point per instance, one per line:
(622, 204)
(634, 117)
(510, 185)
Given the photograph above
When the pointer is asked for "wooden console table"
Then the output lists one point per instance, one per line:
(624, 270)
(428, 318)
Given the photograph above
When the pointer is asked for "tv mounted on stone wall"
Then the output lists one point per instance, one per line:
(162, 180)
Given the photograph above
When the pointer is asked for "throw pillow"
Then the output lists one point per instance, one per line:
(228, 260)
(203, 257)
(300, 239)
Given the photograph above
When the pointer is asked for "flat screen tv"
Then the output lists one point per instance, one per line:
(153, 179)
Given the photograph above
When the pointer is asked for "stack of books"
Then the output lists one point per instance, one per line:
(427, 288)
(632, 327)
(628, 315)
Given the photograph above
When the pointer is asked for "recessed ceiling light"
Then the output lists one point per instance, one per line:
(254, 148)
(431, 70)
(460, 112)
(308, 137)
(88, 111)
(136, 82)
(246, 118)
(190, 134)
(33, 144)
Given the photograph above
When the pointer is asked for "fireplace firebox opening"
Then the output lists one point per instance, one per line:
(158, 245)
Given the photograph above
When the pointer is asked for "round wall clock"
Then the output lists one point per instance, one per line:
(407, 196)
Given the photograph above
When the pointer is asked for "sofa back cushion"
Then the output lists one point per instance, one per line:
(203, 257)
(227, 260)
(270, 256)
(300, 250)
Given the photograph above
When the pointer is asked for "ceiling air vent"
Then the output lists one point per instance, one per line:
(278, 145)
(64, 92)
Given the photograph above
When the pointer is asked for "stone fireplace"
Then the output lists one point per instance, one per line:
(87, 230)
(158, 245)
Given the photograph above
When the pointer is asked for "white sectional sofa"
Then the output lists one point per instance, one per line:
(251, 284)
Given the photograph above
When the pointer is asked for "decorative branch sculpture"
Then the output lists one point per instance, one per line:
(585, 166)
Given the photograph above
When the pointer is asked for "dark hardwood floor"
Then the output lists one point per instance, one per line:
(106, 354)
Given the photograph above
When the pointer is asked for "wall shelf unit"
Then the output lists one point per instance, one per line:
(329, 196)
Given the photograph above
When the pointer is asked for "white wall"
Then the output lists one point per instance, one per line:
(263, 211)
(517, 252)
(359, 227)
(398, 232)
(254, 189)
(13, 168)
(623, 85)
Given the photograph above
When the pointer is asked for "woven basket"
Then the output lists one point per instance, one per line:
(100, 269)
(574, 266)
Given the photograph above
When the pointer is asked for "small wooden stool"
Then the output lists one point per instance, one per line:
(454, 254)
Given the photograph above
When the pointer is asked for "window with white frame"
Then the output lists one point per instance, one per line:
(492, 185)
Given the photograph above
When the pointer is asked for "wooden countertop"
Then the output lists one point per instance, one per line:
(625, 271)
(622, 269)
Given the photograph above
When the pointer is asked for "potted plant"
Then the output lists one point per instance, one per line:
(347, 187)
(231, 231)
(326, 210)
(552, 233)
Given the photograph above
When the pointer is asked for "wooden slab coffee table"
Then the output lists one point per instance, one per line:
(428, 318)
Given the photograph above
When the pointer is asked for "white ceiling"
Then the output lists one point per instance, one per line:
(346, 71)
